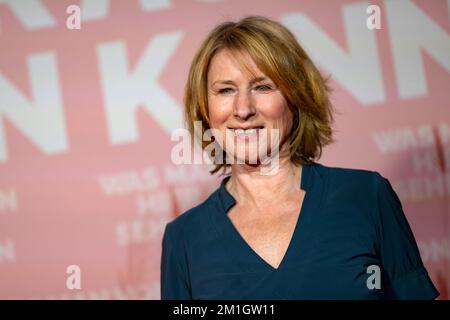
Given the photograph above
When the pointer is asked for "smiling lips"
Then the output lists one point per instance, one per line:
(241, 133)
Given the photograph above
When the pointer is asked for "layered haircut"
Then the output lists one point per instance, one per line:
(276, 52)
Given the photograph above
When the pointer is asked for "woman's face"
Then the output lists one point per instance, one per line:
(240, 100)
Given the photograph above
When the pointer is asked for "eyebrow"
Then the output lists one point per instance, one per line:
(254, 80)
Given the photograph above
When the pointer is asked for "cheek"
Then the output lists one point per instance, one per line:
(275, 109)
(218, 111)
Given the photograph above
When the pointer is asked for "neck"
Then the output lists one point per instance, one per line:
(249, 187)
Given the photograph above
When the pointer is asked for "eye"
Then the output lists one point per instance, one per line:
(225, 90)
(263, 87)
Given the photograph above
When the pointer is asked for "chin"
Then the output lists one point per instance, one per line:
(255, 159)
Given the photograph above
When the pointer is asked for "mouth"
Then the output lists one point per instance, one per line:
(246, 132)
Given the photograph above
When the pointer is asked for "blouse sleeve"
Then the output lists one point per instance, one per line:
(404, 274)
(174, 278)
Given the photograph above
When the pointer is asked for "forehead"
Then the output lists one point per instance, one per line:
(232, 63)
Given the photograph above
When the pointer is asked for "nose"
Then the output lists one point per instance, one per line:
(244, 107)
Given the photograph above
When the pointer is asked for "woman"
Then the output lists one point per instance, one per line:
(297, 229)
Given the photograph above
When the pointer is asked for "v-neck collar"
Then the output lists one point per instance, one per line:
(228, 201)
(314, 190)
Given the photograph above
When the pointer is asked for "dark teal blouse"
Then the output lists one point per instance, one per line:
(351, 241)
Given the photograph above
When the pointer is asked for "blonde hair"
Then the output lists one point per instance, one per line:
(277, 54)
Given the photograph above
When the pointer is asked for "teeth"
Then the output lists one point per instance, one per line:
(242, 131)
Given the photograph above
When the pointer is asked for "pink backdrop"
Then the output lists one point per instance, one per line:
(86, 118)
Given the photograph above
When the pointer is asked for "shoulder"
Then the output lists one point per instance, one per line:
(357, 179)
(356, 190)
(195, 221)
(366, 190)
(350, 174)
